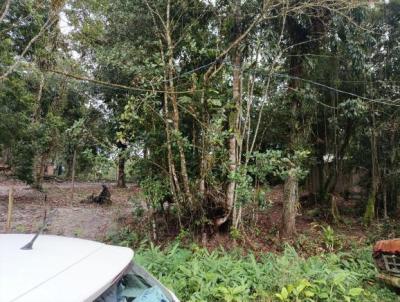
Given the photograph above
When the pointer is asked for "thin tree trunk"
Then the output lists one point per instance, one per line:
(5, 8)
(385, 212)
(121, 165)
(175, 110)
(38, 158)
(233, 128)
(173, 179)
(40, 165)
(121, 172)
(68, 172)
(291, 197)
(10, 208)
(204, 147)
(291, 186)
(369, 213)
(334, 209)
(73, 176)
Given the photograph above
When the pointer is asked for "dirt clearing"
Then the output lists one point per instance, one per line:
(66, 217)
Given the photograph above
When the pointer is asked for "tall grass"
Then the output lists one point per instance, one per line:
(198, 275)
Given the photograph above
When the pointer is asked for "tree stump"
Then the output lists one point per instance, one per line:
(103, 198)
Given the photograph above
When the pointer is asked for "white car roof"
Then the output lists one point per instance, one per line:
(58, 268)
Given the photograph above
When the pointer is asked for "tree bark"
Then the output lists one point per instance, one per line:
(291, 186)
(369, 213)
(39, 169)
(121, 166)
(39, 158)
(73, 176)
(291, 197)
(5, 8)
(233, 126)
(385, 211)
(175, 110)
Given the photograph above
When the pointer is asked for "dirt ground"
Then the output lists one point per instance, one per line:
(91, 221)
(65, 216)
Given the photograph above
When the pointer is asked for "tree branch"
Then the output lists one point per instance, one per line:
(45, 26)
(6, 6)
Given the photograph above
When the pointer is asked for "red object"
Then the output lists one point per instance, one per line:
(387, 246)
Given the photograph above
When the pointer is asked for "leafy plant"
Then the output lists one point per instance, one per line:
(329, 237)
(199, 275)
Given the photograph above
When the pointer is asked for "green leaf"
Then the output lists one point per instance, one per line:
(185, 99)
(284, 293)
(309, 294)
(215, 102)
(356, 291)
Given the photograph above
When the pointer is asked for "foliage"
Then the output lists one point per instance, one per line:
(208, 101)
(279, 164)
(23, 162)
(154, 190)
(199, 275)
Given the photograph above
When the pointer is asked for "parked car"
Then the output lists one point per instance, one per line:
(66, 269)
(386, 254)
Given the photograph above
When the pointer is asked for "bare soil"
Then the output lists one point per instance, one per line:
(259, 231)
(66, 216)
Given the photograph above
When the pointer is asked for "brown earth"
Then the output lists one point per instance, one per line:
(65, 216)
(259, 231)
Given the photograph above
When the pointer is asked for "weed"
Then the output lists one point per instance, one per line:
(78, 232)
(125, 237)
(20, 228)
(235, 234)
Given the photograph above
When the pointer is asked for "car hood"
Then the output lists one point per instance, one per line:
(58, 268)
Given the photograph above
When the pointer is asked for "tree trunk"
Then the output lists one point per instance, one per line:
(73, 176)
(291, 186)
(39, 169)
(291, 197)
(5, 7)
(121, 166)
(69, 160)
(369, 213)
(233, 125)
(38, 160)
(385, 212)
(334, 209)
(175, 110)
(121, 172)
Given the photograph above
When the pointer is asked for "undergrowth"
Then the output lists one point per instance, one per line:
(199, 275)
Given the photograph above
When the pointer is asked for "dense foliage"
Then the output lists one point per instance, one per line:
(206, 103)
(198, 275)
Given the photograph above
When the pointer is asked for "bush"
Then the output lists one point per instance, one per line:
(199, 275)
(22, 162)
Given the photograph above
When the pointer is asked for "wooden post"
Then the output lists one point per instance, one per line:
(10, 208)
(73, 176)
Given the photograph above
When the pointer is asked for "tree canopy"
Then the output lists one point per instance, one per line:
(208, 103)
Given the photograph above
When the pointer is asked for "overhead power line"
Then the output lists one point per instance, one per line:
(280, 75)
(380, 101)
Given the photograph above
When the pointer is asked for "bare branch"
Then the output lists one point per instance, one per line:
(6, 6)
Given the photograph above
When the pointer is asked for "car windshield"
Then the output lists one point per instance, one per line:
(134, 286)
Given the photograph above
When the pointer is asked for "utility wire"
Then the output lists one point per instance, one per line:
(380, 101)
(280, 75)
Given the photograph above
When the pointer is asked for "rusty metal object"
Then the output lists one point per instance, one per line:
(387, 246)
(386, 254)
